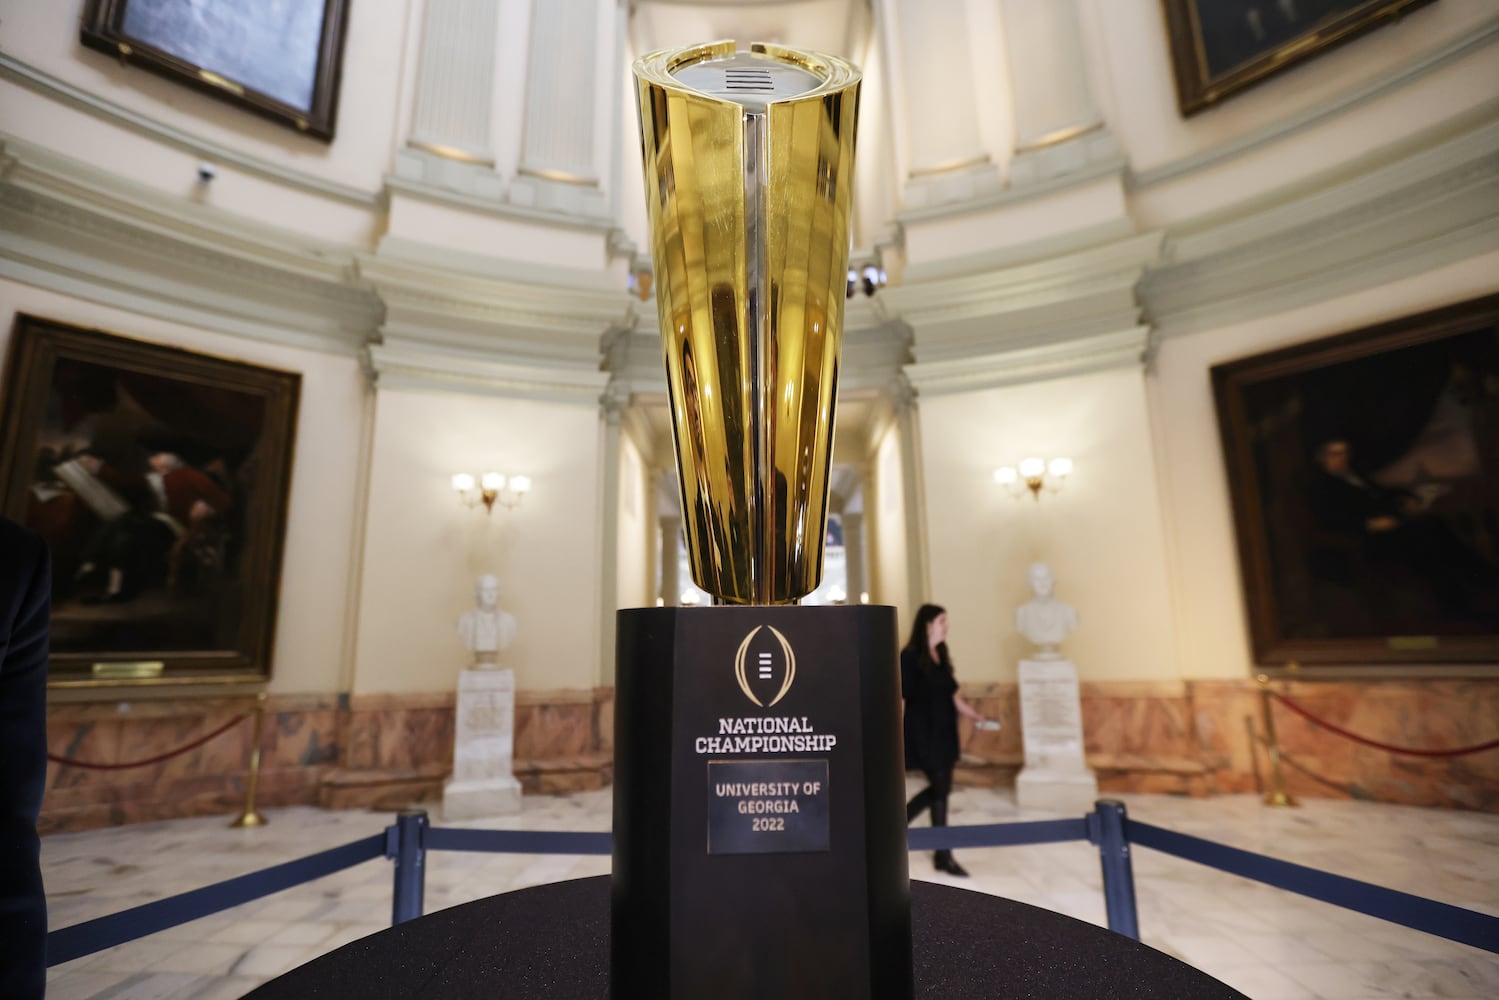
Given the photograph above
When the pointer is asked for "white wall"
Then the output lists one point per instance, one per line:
(310, 641)
(885, 528)
(1210, 626)
(636, 566)
(1140, 93)
(1101, 534)
(45, 37)
(424, 549)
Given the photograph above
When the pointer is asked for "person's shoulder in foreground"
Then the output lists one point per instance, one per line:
(25, 584)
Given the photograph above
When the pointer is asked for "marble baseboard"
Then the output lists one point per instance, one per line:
(1194, 738)
(368, 751)
(1184, 738)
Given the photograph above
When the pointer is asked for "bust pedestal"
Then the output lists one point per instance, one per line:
(1055, 777)
(483, 781)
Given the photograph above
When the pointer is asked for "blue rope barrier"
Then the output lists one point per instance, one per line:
(68, 943)
(439, 838)
(1417, 912)
(946, 838)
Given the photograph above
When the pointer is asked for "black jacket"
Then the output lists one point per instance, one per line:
(25, 605)
(931, 719)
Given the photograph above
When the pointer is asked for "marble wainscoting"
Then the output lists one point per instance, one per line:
(298, 744)
(1193, 738)
(400, 746)
(384, 751)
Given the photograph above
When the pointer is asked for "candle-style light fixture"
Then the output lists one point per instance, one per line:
(1034, 474)
(492, 486)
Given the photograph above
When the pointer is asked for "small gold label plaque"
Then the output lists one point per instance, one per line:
(128, 670)
(1412, 643)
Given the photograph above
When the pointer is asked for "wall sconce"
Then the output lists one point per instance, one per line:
(491, 486)
(867, 278)
(1034, 475)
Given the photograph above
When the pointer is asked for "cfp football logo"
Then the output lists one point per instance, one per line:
(759, 665)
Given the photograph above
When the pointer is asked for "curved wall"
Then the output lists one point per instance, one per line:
(450, 317)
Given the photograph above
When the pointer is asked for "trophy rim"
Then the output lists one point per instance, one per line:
(835, 72)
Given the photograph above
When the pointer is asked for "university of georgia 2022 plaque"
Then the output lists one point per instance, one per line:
(759, 828)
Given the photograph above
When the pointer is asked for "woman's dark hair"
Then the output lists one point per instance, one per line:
(924, 617)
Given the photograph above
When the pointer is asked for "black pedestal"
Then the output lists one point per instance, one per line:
(759, 814)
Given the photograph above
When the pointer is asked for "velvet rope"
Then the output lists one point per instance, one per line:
(70, 762)
(1391, 748)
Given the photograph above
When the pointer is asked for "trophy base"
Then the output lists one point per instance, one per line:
(759, 805)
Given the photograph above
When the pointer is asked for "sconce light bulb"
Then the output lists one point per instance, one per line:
(863, 597)
(1005, 476)
(493, 481)
(520, 484)
(1060, 467)
(463, 482)
(1032, 467)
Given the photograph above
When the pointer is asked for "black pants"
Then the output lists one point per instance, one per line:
(934, 797)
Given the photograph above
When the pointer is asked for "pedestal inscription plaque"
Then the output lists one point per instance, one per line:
(759, 818)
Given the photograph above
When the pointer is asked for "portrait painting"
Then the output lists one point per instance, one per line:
(279, 58)
(1219, 47)
(159, 479)
(1364, 475)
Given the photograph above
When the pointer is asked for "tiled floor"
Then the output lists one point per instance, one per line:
(1271, 944)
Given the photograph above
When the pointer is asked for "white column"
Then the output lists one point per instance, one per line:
(933, 94)
(611, 408)
(455, 81)
(908, 424)
(853, 553)
(671, 578)
(1053, 98)
(565, 88)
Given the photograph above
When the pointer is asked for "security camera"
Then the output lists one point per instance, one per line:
(206, 172)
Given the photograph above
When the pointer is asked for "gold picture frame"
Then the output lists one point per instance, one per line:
(160, 479)
(1220, 47)
(281, 61)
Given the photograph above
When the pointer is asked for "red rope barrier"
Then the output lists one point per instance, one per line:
(1355, 737)
(70, 762)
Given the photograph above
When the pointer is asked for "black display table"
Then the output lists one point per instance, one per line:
(552, 941)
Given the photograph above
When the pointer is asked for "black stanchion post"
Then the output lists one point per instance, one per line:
(1106, 829)
(410, 854)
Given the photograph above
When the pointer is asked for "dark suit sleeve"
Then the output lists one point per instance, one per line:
(25, 585)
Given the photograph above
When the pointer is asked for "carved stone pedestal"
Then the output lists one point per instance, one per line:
(1055, 777)
(483, 783)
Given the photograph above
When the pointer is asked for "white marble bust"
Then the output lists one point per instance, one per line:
(1043, 619)
(486, 629)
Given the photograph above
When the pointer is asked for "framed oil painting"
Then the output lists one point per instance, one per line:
(1219, 47)
(1364, 475)
(159, 478)
(278, 58)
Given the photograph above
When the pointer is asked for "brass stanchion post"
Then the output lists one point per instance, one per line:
(250, 816)
(1277, 796)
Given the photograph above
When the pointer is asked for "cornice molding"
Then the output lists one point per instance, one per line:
(1385, 218)
(432, 368)
(77, 229)
(1112, 166)
(1070, 297)
(1421, 66)
(602, 224)
(442, 308)
(40, 82)
(1077, 356)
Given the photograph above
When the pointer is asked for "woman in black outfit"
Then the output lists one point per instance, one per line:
(932, 707)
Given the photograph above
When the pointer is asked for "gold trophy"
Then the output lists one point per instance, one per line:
(749, 159)
(759, 811)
